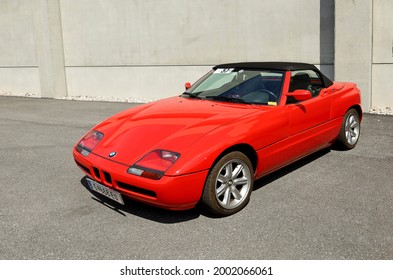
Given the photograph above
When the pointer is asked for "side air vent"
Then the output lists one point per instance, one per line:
(107, 177)
(137, 190)
(84, 168)
(97, 172)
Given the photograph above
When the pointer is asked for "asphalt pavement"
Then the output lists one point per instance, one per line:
(330, 205)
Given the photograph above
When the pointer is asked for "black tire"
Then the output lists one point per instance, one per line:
(349, 131)
(229, 185)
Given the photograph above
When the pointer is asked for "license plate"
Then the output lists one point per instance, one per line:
(97, 187)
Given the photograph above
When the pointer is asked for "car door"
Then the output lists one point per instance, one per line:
(308, 119)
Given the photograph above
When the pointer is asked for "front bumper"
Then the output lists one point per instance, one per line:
(170, 192)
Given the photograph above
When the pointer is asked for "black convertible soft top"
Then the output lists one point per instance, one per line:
(283, 66)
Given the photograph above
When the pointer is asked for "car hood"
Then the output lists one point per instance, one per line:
(172, 124)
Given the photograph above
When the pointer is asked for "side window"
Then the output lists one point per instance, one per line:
(306, 79)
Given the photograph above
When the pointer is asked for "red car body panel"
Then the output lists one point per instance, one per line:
(172, 124)
(202, 130)
(169, 192)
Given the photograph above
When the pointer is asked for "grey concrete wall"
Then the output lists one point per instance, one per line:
(178, 32)
(147, 49)
(382, 67)
(364, 49)
(353, 45)
(137, 83)
(18, 62)
(49, 48)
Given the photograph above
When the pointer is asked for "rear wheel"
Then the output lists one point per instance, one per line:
(229, 185)
(349, 131)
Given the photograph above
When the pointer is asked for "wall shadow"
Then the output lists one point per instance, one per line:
(326, 36)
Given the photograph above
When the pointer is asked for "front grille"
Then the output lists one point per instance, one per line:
(97, 172)
(84, 168)
(107, 177)
(136, 189)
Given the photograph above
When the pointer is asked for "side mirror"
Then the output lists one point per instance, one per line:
(187, 85)
(300, 94)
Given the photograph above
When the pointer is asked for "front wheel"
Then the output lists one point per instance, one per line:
(229, 185)
(350, 130)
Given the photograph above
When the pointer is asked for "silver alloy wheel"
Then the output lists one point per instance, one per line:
(352, 128)
(233, 183)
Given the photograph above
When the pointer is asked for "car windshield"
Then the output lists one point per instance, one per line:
(239, 85)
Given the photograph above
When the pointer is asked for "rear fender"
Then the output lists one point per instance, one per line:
(345, 98)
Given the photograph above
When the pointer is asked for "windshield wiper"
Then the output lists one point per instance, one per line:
(191, 95)
(228, 99)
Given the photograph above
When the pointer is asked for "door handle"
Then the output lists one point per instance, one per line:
(324, 92)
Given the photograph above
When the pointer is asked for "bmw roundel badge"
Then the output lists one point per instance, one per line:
(112, 154)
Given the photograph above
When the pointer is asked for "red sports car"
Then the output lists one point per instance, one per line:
(236, 124)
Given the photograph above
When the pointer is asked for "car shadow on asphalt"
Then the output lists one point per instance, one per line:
(170, 217)
(143, 210)
(266, 180)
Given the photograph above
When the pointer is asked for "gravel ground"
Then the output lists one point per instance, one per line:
(6, 93)
(373, 110)
(381, 110)
(85, 98)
